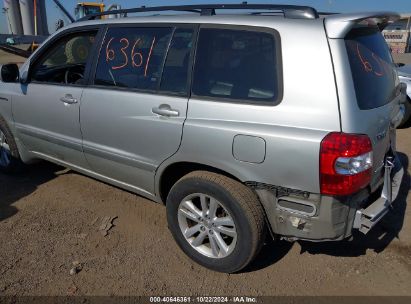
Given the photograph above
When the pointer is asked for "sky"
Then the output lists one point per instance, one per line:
(401, 6)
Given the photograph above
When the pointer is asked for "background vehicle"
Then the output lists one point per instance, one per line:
(202, 112)
(84, 9)
(87, 8)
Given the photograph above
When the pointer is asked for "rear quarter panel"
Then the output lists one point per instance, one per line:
(292, 130)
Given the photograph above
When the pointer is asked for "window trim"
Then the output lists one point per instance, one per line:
(102, 29)
(45, 50)
(157, 91)
(248, 28)
(191, 61)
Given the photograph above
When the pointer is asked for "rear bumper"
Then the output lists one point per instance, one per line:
(367, 218)
(314, 217)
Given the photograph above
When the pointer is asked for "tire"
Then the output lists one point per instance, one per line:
(235, 202)
(407, 117)
(77, 50)
(10, 161)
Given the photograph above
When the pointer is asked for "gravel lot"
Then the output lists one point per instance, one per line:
(46, 224)
(403, 58)
(9, 58)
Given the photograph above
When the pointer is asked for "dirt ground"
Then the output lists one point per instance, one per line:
(46, 224)
(403, 58)
(9, 58)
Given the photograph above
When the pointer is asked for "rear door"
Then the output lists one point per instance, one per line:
(376, 91)
(132, 113)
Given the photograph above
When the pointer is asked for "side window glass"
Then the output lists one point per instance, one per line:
(236, 64)
(66, 61)
(132, 57)
(175, 72)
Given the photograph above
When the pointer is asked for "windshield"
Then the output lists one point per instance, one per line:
(372, 68)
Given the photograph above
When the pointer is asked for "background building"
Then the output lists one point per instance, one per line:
(398, 35)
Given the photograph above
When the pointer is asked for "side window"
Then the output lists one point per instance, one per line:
(175, 72)
(66, 60)
(237, 64)
(132, 57)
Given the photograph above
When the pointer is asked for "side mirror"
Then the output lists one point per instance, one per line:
(9, 73)
(24, 77)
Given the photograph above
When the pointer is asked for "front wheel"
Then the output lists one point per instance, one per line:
(10, 161)
(216, 221)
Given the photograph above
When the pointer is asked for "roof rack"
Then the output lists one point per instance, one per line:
(328, 13)
(289, 11)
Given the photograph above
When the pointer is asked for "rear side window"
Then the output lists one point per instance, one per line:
(372, 69)
(240, 65)
(133, 57)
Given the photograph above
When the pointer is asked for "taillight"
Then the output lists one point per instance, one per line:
(345, 163)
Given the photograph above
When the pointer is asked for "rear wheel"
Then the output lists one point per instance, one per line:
(216, 221)
(9, 156)
(407, 116)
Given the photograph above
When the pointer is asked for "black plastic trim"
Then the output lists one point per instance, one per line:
(289, 11)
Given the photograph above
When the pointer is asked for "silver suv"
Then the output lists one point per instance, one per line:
(269, 119)
(404, 73)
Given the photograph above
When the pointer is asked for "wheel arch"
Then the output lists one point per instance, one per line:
(24, 154)
(168, 176)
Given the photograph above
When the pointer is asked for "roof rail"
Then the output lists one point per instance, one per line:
(328, 13)
(289, 11)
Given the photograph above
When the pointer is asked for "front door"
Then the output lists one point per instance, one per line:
(132, 115)
(46, 109)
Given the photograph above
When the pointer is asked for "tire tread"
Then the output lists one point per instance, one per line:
(247, 199)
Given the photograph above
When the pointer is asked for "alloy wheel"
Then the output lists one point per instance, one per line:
(207, 225)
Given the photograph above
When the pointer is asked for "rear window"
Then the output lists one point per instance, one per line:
(372, 68)
(237, 65)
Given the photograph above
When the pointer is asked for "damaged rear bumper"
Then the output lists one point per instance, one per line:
(313, 217)
(367, 218)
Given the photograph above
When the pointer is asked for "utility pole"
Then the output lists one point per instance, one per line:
(35, 17)
(6, 11)
(408, 29)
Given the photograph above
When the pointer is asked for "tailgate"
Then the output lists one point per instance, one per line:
(375, 106)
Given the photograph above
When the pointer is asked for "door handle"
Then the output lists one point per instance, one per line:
(68, 99)
(165, 110)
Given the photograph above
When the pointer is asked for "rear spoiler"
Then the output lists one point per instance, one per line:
(338, 25)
